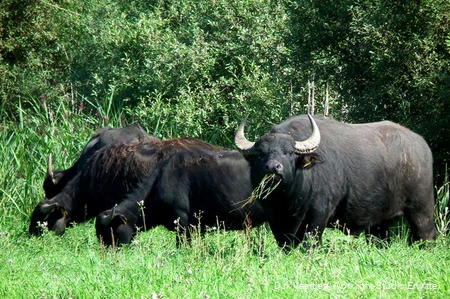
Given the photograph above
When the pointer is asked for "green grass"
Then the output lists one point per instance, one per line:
(219, 265)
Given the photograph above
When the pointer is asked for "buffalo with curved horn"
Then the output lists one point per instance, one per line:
(358, 175)
(189, 189)
(56, 180)
(106, 178)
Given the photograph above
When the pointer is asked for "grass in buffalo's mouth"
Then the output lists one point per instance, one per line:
(268, 183)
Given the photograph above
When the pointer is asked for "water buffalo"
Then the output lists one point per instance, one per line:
(56, 180)
(359, 175)
(196, 188)
(105, 179)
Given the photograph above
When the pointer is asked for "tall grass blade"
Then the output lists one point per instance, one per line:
(442, 212)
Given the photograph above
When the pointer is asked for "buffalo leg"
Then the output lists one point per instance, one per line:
(312, 228)
(422, 225)
(181, 226)
(420, 212)
(286, 235)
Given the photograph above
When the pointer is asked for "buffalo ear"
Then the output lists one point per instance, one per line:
(308, 161)
(47, 208)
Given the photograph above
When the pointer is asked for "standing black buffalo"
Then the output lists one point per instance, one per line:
(56, 180)
(361, 175)
(196, 188)
(104, 180)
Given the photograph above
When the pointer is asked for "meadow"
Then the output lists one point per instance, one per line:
(222, 264)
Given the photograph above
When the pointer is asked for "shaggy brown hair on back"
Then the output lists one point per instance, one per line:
(138, 158)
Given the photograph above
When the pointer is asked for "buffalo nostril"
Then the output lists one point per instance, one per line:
(275, 167)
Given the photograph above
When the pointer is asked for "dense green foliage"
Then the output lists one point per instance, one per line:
(196, 68)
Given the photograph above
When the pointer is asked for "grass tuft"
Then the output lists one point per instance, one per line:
(267, 185)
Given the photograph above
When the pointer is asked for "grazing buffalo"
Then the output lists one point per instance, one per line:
(189, 189)
(359, 175)
(104, 180)
(56, 180)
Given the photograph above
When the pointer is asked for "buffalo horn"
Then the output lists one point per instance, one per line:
(302, 147)
(50, 173)
(310, 144)
(239, 139)
(47, 208)
(106, 219)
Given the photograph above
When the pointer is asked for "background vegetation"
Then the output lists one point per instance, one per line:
(196, 68)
